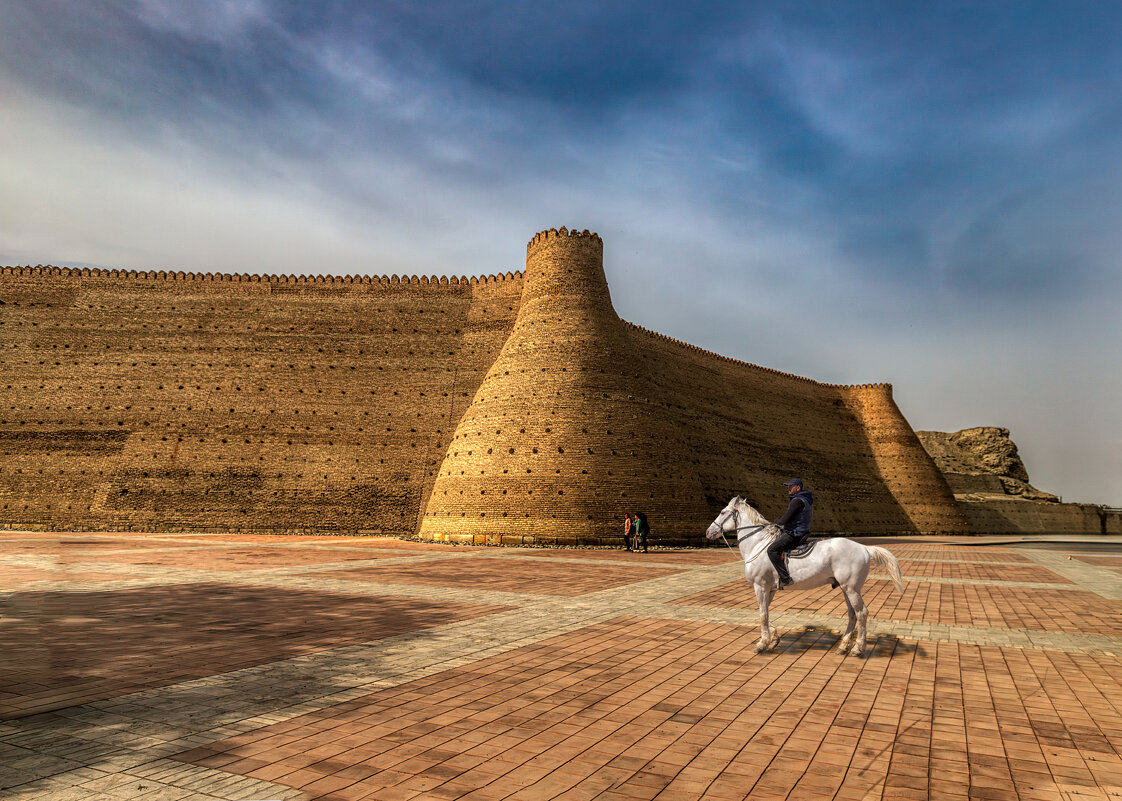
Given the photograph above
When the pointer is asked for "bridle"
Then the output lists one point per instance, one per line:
(735, 513)
(736, 516)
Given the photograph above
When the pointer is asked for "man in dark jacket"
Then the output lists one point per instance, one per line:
(795, 524)
(642, 529)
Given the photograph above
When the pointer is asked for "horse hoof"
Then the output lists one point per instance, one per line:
(843, 649)
(857, 652)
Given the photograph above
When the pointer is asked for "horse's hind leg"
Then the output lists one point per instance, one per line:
(847, 638)
(856, 608)
(769, 637)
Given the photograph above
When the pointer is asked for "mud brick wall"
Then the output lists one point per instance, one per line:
(516, 408)
(1019, 516)
(171, 401)
(749, 429)
(584, 417)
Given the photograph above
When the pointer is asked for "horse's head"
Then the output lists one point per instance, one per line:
(736, 517)
(726, 521)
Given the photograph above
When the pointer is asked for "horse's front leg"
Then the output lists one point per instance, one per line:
(769, 637)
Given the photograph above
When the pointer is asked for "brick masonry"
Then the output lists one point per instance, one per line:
(512, 409)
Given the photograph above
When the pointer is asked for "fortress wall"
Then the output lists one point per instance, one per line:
(566, 432)
(189, 402)
(750, 429)
(512, 409)
(1013, 515)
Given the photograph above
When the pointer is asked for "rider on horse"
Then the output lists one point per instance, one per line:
(795, 524)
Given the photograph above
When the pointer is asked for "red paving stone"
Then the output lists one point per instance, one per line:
(222, 558)
(638, 708)
(635, 708)
(1102, 561)
(952, 553)
(62, 649)
(15, 577)
(506, 575)
(710, 556)
(1061, 611)
(975, 572)
(69, 546)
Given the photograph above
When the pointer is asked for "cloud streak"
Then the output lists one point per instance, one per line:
(922, 195)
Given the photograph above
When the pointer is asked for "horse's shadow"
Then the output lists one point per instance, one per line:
(822, 638)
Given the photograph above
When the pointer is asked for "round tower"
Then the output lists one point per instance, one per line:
(567, 431)
(924, 500)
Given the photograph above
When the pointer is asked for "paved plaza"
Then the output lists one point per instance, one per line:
(193, 666)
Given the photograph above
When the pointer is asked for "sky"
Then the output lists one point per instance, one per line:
(928, 194)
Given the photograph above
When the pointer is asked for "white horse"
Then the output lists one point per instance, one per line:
(837, 559)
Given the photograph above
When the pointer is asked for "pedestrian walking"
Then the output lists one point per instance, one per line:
(642, 529)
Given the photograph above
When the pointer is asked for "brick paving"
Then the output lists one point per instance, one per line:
(17, 577)
(68, 545)
(67, 648)
(507, 575)
(1062, 611)
(270, 667)
(985, 571)
(251, 558)
(947, 553)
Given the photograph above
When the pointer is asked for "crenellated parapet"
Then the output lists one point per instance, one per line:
(543, 237)
(114, 274)
(749, 365)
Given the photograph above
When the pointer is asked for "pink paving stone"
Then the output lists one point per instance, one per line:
(62, 648)
(642, 708)
(71, 545)
(14, 577)
(1061, 611)
(949, 553)
(542, 577)
(230, 558)
(711, 556)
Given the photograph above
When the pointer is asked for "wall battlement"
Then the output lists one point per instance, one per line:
(557, 233)
(731, 360)
(507, 408)
(41, 271)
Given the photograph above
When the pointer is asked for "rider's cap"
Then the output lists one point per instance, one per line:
(792, 482)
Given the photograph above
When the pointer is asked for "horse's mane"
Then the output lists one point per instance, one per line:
(754, 518)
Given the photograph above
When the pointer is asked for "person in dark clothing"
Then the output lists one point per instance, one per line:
(795, 523)
(642, 529)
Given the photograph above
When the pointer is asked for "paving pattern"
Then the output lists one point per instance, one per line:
(171, 667)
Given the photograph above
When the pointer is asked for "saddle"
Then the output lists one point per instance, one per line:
(801, 550)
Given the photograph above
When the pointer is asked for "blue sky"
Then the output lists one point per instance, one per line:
(927, 194)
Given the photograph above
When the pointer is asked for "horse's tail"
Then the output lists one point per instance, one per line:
(879, 557)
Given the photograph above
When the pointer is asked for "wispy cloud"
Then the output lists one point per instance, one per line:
(927, 195)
